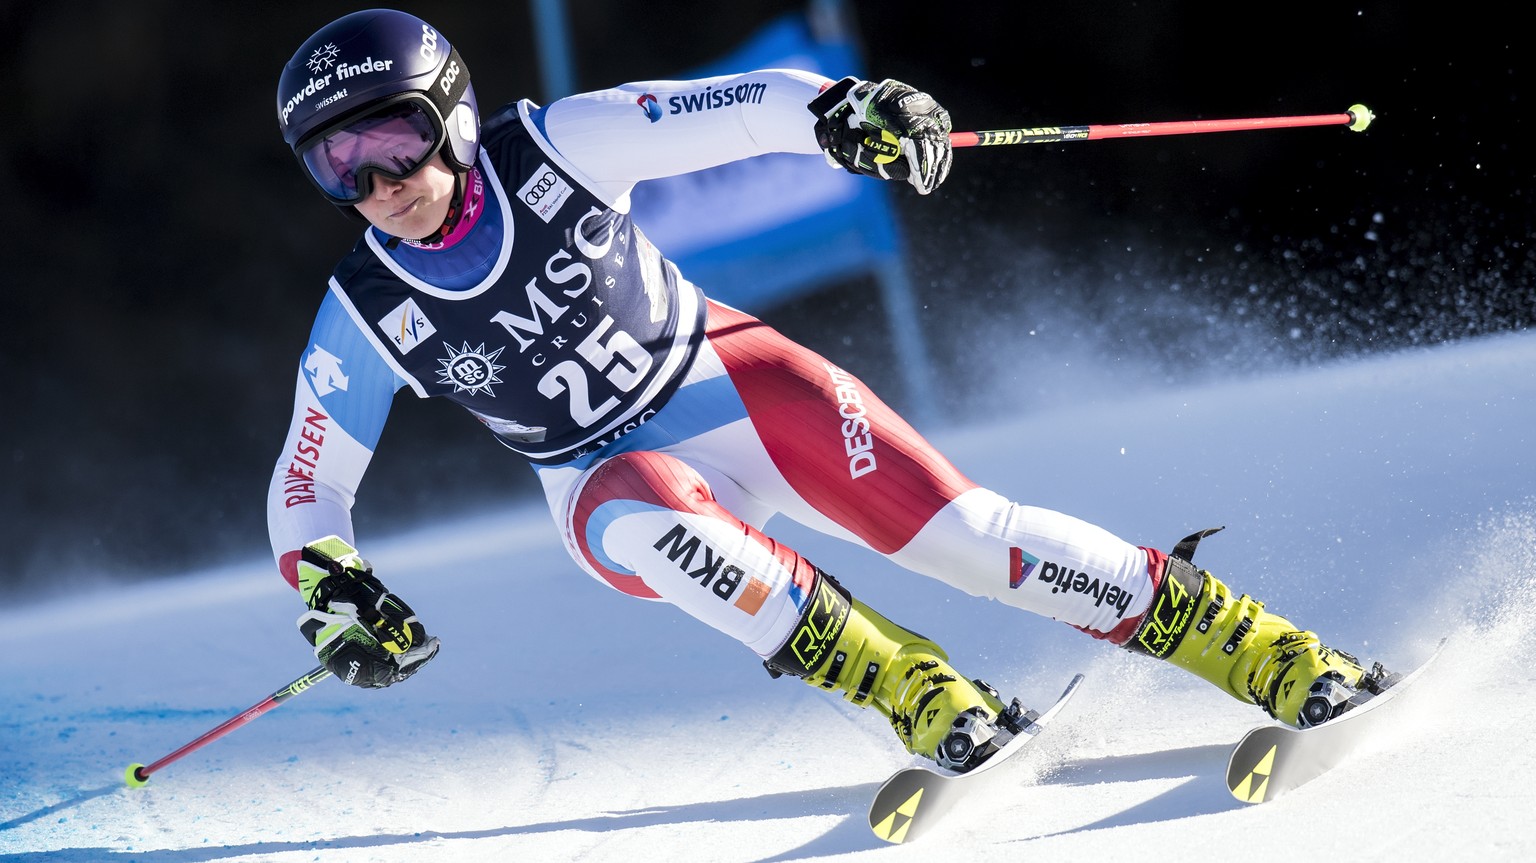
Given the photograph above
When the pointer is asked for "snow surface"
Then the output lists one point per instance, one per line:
(1385, 502)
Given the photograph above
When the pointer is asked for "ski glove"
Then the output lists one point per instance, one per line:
(363, 633)
(868, 128)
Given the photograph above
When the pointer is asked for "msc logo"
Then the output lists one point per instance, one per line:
(470, 370)
(647, 103)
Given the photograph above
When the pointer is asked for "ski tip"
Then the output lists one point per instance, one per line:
(1253, 787)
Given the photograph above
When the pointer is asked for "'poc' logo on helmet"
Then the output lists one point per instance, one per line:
(428, 44)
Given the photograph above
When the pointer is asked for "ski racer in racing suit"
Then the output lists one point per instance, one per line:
(501, 270)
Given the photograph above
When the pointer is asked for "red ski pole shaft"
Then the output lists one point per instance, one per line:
(1357, 118)
(137, 774)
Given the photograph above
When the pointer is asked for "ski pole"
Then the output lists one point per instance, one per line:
(1357, 118)
(137, 775)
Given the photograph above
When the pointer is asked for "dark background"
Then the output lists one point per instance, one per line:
(163, 256)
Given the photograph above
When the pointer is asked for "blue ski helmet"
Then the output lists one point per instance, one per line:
(365, 63)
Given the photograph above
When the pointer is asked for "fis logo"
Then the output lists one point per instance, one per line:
(647, 103)
(406, 327)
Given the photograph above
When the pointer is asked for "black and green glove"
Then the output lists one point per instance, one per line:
(363, 633)
(887, 130)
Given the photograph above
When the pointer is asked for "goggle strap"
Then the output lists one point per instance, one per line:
(446, 102)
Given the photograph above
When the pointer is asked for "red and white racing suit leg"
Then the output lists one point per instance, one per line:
(764, 426)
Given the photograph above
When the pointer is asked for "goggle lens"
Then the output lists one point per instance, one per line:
(394, 142)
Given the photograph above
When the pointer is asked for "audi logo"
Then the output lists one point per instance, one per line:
(547, 181)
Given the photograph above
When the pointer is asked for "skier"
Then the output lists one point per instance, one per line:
(500, 269)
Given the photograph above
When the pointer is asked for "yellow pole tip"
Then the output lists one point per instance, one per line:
(131, 776)
(1362, 117)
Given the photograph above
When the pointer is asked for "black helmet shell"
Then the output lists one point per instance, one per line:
(370, 57)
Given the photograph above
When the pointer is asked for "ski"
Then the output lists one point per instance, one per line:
(914, 799)
(1273, 759)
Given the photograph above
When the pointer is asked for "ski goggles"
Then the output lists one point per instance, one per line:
(393, 141)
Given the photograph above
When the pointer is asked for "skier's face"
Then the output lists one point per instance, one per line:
(414, 207)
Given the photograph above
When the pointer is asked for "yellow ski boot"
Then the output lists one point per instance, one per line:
(843, 644)
(1252, 654)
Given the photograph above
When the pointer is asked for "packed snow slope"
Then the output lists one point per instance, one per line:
(1385, 502)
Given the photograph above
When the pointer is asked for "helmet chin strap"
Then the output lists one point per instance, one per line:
(455, 211)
